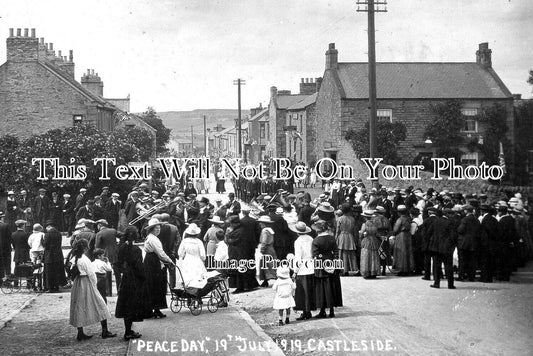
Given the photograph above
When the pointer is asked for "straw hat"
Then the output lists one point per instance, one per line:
(380, 209)
(401, 208)
(192, 230)
(216, 220)
(152, 223)
(368, 213)
(326, 207)
(300, 228)
(264, 219)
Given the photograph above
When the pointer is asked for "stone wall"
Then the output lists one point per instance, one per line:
(33, 100)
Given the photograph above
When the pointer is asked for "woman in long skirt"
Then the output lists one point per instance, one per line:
(304, 269)
(87, 306)
(346, 240)
(156, 277)
(370, 262)
(266, 247)
(328, 292)
(403, 251)
(132, 292)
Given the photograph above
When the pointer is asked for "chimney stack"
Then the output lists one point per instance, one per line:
(273, 92)
(307, 86)
(484, 55)
(32, 32)
(332, 61)
(21, 49)
(318, 82)
(71, 56)
(93, 83)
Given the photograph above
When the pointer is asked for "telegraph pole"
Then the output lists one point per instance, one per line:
(372, 92)
(205, 136)
(239, 82)
(192, 142)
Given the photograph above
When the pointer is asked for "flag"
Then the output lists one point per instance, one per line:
(502, 158)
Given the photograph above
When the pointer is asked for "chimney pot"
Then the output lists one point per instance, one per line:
(19, 31)
(59, 54)
(302, 80)
(32, 32)
(88, 72)
(273, 91)
(71, 56)
(332, 46)
(332, 57)
(26, 32)
(42, 40)
(92, 71)
(484, 55)
(11, 32)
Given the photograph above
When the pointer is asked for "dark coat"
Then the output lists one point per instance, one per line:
(201, 221)
(112, 211)
(251, 234)
(166, 239)
(469, 233)
(5, 240)
(491, 233)
(447, 236)
(428, 231)
(40, 209)
(55, 211)
(106, 239)
(67, 208)
(305, 214)
(236, 244)
(52, 246)
(283, 241)
(324, 248)
(130, 209)
(85, 213)
(20, 243)
(132, 292)
(508, 230)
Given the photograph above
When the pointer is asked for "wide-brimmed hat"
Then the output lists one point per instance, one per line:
(50, 222)
(152, 223)
(380, 209)
(368, 213)
(401, 208)
(264, 219)
(283, 272)
(115, 195)
(192, 230)
(11, 192)
(300, 227)
(66, 195)
(102, 221)
(326, 207)
(216, 220)
(319, 225)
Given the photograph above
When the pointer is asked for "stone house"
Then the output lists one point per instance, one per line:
(258, 127)
(38, 91)
(405, 93)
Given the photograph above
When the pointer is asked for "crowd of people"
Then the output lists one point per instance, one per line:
(370, 232)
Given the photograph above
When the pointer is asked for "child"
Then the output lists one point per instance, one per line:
(35, 241)
(221, 254)
(284, 287)
(101, 266)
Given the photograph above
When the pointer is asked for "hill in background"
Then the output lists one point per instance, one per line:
(180, 122)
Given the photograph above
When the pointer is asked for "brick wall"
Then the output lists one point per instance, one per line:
(33, 100)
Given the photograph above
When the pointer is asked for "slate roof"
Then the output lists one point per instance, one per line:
(259, 115)
(285, 101)
(423, 81)
(75, 85)
(302, 104)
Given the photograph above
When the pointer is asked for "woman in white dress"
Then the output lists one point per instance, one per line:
(87, 306)
(192, 253)
(312, 178)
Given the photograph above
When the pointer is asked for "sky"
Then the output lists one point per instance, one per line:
(178, 55)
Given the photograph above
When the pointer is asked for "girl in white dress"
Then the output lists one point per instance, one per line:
(192, 252)
(284, 287)
(87, 306)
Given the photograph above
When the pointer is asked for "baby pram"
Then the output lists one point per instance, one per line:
(27, 277)
(193, 298)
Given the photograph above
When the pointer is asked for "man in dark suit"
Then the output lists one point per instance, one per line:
(251, 233)
(86, 211)
(428, 232)
(490, 243)
(233, 206)
(203, 215)
(5, 248)
(81, 199)
(11, 210)
(41, 206)
(442, 246)
(106, 239)
(170, 240)
(19, 240)
(509, 241)
(283, 240)
(112, 210)
(468, 244)
(67, 210)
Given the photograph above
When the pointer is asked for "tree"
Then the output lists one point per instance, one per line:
(163, 133)
(524, 141)
(445, 129)
(530, 79)
(77, 145)
(389, 137)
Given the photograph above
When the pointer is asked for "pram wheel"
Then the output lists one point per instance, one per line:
(6, 286)
(195, 307)
(175, 305)
(212, 304)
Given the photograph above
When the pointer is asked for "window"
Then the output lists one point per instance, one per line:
(77, 119)
(470, 121)
(384, 114)
(262, 132)
(468, 159)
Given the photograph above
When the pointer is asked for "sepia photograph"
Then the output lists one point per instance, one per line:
(266, 177)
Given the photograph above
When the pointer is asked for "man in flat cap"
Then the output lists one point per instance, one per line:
(112, 210)
(40, 207)
(11, 210)
(81, 199)
(67, 211)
